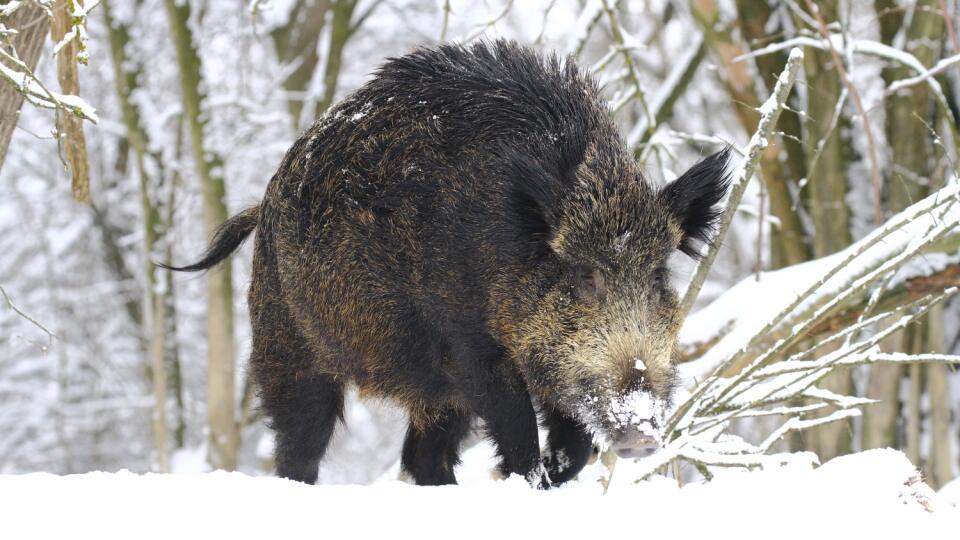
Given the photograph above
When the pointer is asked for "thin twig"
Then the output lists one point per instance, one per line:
(951, 31)
(446, 20)
(931, 236)
(483, 27)
(943, 199)
(362, 18)
(662, 106)
(581, 41)
(940, 67)
(543, 24)
(6, 297)
(790, 389)
(621, 45)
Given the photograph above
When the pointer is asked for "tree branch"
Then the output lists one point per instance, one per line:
(769, 112)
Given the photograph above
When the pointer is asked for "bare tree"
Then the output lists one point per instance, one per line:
(224, 434)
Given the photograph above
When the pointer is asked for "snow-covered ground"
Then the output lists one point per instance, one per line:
(872, 494)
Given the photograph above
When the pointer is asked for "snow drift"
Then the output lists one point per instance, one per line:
(874, 494)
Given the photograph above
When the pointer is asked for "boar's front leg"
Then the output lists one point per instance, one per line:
(498, 394)
(431, 449)
(568, 446)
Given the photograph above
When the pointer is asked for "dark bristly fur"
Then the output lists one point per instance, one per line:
(467, 236)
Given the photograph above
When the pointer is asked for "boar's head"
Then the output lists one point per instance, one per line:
(591, 316)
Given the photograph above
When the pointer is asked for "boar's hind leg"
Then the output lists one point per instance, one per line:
(303, 405)
(304, 421)
(432, 447)
(568, 446)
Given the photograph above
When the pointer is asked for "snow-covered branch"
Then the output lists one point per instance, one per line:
(853, 46)
(769, 112)
(17, 74)
(750, 372)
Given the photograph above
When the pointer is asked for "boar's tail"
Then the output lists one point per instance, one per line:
(228, 237)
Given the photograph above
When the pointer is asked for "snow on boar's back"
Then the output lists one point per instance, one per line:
(467, 235)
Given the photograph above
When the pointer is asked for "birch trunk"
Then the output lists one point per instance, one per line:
(223, 433)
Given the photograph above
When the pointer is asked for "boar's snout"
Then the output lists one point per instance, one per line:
(634, 444)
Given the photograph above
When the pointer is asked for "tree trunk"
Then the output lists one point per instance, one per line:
(939, 463)
(127, 73)
(880, 419)
(73, 143)
(914, 414)
(223, 433)
(340, 32)
(906, 181)
(31, 23)
(788, 240)
(910, 141)
(296, 44)
(169, 299)
(782, 163)
(826, 201)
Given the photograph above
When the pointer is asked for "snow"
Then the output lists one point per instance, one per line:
(870, 494)
(640, 410)
(950, 493)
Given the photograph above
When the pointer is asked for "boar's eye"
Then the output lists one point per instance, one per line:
(661, 277)
(589, 283)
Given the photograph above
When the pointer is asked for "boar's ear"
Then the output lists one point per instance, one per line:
(533, 201)
(693, 197)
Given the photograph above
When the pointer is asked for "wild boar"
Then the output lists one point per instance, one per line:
(467, 235)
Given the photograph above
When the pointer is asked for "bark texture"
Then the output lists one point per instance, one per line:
(31, 23)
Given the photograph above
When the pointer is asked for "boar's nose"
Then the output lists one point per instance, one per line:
(634, 444)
